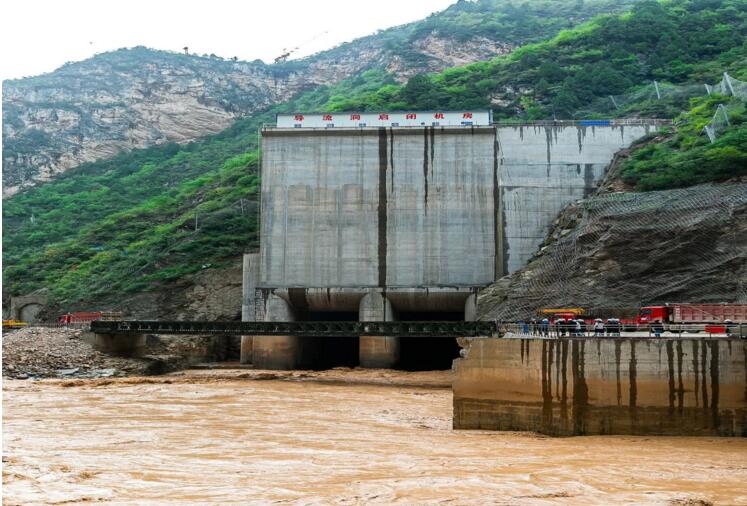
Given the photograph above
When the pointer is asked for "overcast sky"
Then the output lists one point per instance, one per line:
(38, 36)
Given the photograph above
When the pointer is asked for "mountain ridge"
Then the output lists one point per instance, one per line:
(134, 98)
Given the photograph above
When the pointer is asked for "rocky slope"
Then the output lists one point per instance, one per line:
(134, 98)
(48, 352)
(614, 251)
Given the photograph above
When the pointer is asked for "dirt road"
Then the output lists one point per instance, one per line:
(219, 438)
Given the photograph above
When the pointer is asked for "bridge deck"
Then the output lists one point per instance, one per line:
(302, 328)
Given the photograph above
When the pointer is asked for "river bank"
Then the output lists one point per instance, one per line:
(345, 437)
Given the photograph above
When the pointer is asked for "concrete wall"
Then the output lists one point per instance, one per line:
(544, 168)
(420, 207)
(581, 386)
(378, 207)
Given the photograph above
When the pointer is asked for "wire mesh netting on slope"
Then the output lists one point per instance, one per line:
(658, 91)
(612, 253)
(729, 86)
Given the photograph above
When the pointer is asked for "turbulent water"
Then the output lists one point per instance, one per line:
(199, 439)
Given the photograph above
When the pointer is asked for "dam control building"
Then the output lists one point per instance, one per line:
(405, 216)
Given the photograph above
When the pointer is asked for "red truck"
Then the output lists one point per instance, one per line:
(79, 317)
(693, 313)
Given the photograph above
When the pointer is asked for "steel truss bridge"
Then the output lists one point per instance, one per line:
(301, 328)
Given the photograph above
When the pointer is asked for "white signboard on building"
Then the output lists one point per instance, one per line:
(384, 119)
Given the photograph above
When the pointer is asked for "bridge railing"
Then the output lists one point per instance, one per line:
(529, 329)
(301, 328)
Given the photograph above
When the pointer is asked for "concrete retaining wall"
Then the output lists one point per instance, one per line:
(543, 169)
(420, 207)
(603, 386)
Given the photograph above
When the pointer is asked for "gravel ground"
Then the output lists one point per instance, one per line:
(38, 352)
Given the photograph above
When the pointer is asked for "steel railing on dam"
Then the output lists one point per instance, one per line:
(301, 329)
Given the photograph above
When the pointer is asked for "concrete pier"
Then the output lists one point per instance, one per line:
(117, 345)
(377, 351)
(277, 352)
(585, 386)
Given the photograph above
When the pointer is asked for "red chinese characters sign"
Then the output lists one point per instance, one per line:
(384, 119)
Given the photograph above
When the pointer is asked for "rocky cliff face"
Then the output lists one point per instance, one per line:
(135, 98)
(612, 252)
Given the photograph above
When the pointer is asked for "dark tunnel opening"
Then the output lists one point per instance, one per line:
(328, 352)
(428, 353)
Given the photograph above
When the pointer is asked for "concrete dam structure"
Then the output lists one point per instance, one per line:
(383, 223)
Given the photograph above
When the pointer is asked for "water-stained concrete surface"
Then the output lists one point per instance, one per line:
(667, 386)
(363, 437)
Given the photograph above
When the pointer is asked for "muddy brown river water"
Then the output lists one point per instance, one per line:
(336, 438)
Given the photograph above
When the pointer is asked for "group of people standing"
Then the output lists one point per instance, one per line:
(571, 327)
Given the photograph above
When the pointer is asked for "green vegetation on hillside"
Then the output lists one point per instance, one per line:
(679, 42)
(687, 157)
(149, 216)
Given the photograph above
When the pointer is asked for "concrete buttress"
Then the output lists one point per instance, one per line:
(277, 352)
(377, 351)
(249, 286)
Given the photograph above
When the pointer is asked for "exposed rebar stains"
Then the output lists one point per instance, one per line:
(382, 208)
(680, 385)
(564, 390)
(704, 381)
(618, 353)
(670, 369)
(425, 169)
(632, 373)
(549, 368)
(580, 389)
(714, 382)
(546, 386)
(501, 253)
(695, 373)
(557, 372)
(589, 184)
(433, 145)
